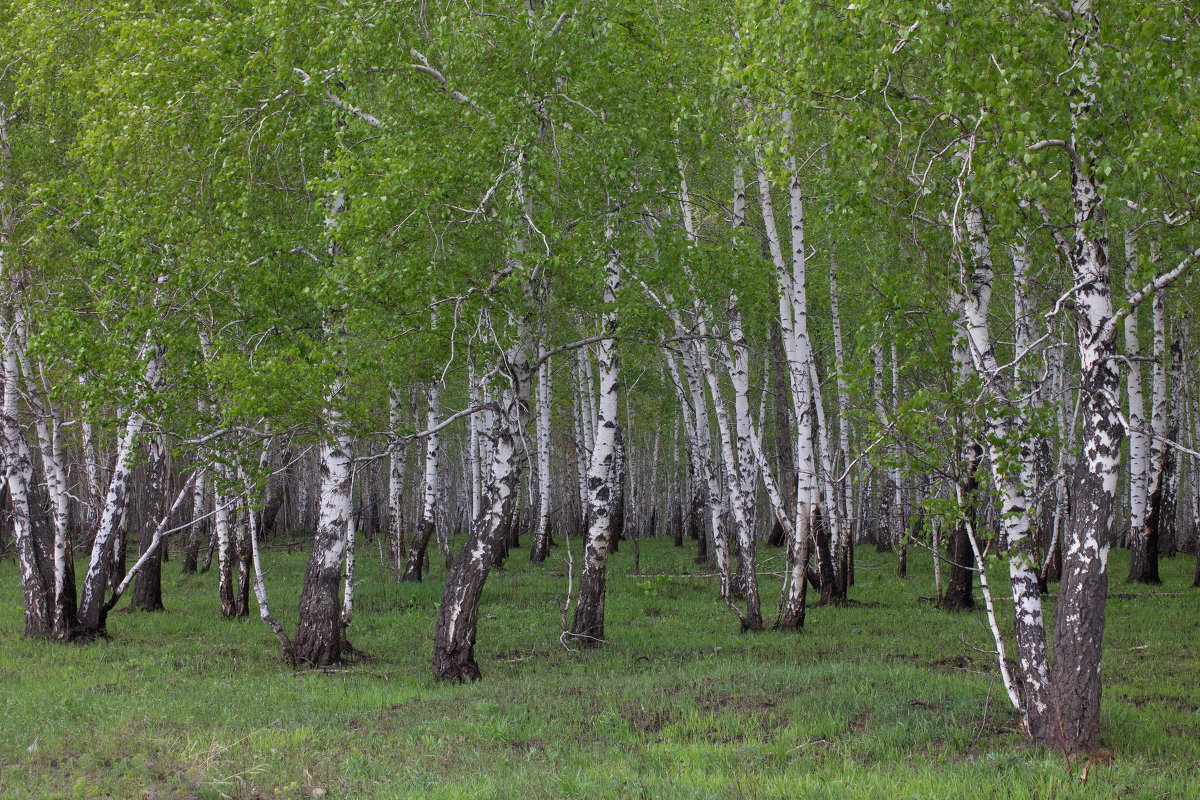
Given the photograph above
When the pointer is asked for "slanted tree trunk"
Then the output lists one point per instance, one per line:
(793, 323)
(458, 615)
(19, 477)
(783, 434)
(713, 550)
(747, 467)
(1014, 483)
(260, 593)
(318, 641)
(92, 613)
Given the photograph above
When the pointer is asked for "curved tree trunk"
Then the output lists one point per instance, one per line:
(318, 641)
(458, 615)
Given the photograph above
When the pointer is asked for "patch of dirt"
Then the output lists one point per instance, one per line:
(859, 723)
(753, 713)
(647, 722)
(955, 663)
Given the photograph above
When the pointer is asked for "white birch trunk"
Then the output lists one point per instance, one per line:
(541, 536)
(1013, 483)
(397, 458)
(588, 624)
(1139, 455)
(845, 496)
(474, 456)
(91, 607)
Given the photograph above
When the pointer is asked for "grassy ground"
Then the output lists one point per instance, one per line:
(884, 698)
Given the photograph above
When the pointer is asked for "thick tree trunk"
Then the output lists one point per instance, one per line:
(19, 477)
(318, 640)
(603, 473)
(458, 615)
(226, 556)
(1083, 592)
(243, 551)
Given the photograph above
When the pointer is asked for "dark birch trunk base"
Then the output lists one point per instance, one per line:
(1082, 595)
(539, 549)
(191, 553)
(414, 565)
(226, 588)
(588, 625)
(319, 636)
(792, 618)
(147, 586)
(1143, 555)
(960, 589)
(458, 614)
(826, 584)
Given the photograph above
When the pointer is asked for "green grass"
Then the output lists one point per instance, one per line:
(885, 698)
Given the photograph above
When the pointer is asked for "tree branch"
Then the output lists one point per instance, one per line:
(1149, 290)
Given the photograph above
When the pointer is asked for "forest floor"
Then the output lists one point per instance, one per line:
(887, 697)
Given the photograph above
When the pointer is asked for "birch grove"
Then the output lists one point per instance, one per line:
(545, 279)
